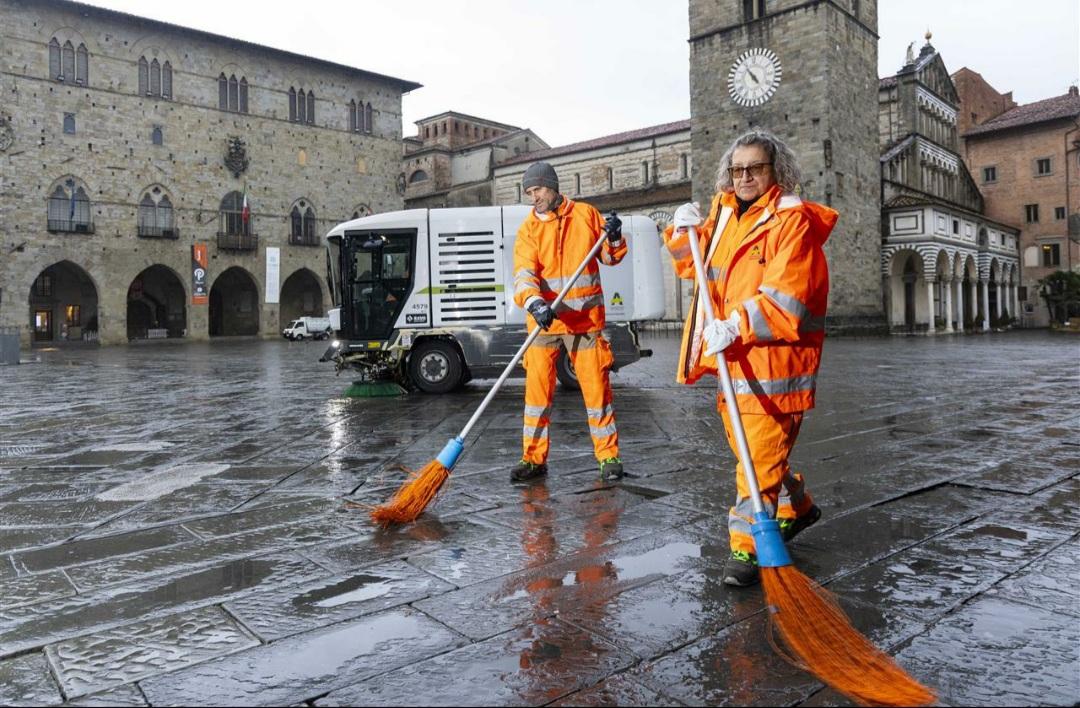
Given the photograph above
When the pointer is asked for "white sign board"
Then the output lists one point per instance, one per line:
(273, 274)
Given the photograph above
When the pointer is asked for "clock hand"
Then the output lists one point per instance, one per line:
(756, 80)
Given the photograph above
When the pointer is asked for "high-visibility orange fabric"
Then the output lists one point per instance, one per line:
(546, 254)
(592, 360)
(770, 439)
(770, 266)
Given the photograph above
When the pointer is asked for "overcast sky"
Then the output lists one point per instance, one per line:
(578, 69)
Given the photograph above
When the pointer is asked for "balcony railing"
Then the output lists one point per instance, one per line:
(237, 242)
(158, 232)
(304, 240)
(70, 226)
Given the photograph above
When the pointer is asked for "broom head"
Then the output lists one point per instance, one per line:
(819, 636)
(419, 489)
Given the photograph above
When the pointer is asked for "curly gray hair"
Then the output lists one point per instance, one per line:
(785, 166)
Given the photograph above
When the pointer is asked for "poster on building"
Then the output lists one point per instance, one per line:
(273, 270)
(199, 264)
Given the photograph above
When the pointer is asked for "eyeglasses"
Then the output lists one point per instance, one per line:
(755, 170)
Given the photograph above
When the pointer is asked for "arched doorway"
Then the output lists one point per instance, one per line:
(301, 296)
(903, 302)
(234, 304)
(156, 305)
(63, 304)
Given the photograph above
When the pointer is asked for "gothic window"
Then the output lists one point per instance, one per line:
(55, 70)
(156, 214)
(82, 65)
(69, 61)
(69, 123)
(223, 92)
(144, 77)
(69, 208)
(610, 178)
(644, 172)
(292, 104)
(309, 225)
(577, 184)
(243, 95)
(232, 215)
(418, 176)
(685, 164)
(311, 107)
(234, 95)
(753, 10)
(352, 116)
(155, 78)
(297, 220)
(367, 118)
(301, 106)
(302, 223)
(166, 80)
(156, 136)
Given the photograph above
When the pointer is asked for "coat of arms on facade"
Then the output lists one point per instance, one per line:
(400, 183)
(7, 134)
(236, 158)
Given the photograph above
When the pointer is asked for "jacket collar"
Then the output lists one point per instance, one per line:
(563, 209)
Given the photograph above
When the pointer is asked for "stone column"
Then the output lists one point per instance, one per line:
(930, 304)
(985, 288)
(960, 304)
(1016, 302)
(999, 300)
(946, 285)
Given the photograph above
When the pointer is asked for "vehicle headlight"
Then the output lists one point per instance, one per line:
(335, 344)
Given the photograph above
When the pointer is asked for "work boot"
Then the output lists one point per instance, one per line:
(611, 469)
(741, 569)
(790, 528)
(525, 470)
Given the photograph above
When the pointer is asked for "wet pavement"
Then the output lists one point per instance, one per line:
(173, 531)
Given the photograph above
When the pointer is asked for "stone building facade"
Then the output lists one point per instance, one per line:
(807, 71)
(946, 266)
(449, 162)
(129, 147)
(1026, 160)
(643, 172)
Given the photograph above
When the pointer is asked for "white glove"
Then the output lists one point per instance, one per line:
(719, 334)
(687, 215)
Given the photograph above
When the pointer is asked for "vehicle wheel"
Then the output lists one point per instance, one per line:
(564, 369)
(435, 366)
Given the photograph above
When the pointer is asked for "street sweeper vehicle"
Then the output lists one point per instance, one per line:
(423, 298)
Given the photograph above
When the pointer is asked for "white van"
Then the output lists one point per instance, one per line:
(425, 296)
(308, 328)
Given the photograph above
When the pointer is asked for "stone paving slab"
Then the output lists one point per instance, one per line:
(1048, 582)
(1027, 649)
(617, 690)
(532, 665)
(124, 696)
(280, 613)
(310, 665)
(82, 552)
(39, 624)
(35, 588)
(111, 658)
(26, 681)
(84, 513)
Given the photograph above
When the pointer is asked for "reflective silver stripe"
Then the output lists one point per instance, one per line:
(786, 302)
(552, 284)
(524, 273)
(524, 287)
(601, 432)
(600, 412)
(757, 320)
(812, 324)
(537, 411)
(535, 433)
(607, 258)
(789, 200)
(581, 303)
(769, 387)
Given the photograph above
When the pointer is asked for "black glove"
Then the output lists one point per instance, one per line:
(613, 228)
(542, 313)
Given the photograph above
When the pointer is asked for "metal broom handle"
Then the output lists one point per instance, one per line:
(725, 377)
(529, 340)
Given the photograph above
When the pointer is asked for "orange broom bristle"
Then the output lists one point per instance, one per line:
(824, 643)
(413, 496)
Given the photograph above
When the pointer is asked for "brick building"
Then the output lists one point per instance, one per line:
(946, 265)
(644, 171)
(449, 162)
(128, 145)
(1026, 160)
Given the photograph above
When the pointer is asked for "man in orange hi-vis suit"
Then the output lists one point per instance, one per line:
(768, 286)
(556, 237)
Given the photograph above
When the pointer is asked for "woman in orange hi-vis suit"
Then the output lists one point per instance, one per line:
(769, 285)
(556, 237)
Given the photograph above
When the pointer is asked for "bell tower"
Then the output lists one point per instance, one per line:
(807, 71)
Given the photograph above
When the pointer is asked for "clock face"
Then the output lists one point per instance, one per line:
(754, 77)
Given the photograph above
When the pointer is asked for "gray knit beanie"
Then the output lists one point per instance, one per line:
(540, 174)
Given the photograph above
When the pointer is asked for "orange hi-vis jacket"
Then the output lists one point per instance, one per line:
(769, 265)
(547, 253)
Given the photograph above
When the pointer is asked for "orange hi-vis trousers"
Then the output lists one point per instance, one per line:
(592, 359)
(770, 439)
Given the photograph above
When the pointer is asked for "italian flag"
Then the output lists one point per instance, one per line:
(245, 211)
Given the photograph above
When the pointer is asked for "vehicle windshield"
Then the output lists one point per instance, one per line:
(379, 271)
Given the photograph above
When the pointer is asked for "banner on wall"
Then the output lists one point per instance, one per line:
(199, 263)
(273, 270)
